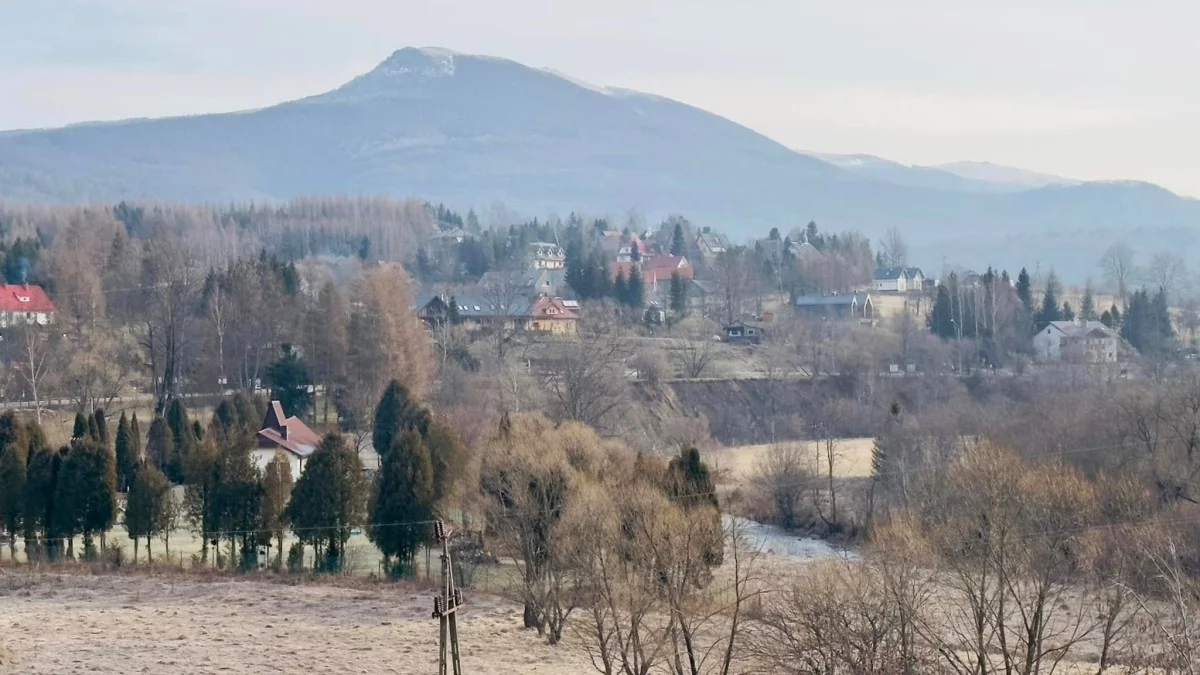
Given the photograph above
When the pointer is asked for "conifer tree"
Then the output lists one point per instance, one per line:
(86, 493)
(277, 490)
(941, 318)
(135, 435)
(14, 459)
(1087, 308)
(678, 245)
(678, 294)
(146, 509)
(80, 429)
(127, 461)
(402, 503)
(620, 288)
(329, 500)
(635, 289)
(101, 426)
(1051, 310)
(1025, 290)
(161, 451)
(396, 411)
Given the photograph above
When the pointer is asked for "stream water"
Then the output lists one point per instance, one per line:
(776, 540)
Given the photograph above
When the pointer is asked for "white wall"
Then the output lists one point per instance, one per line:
(262, 457)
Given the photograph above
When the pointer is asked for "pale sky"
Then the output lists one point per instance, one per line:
(1091, 89)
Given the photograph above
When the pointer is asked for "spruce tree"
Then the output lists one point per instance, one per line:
(290, 382)
(635, 289)
(620, 288)
(1051, 310)
(93, 431)
(1087, 308)
(402, 503)
(1025, 290)
(941, 318)
(127, 461)
(135, 434)
(678, 245)
(1067, 313)
(689, 483)
(678, 294)
(86, 493)
(635, 252)
(101, 426)
(181, 428)
(395, 412)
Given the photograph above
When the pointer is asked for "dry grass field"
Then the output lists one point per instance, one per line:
(853, 458)
(74, 623)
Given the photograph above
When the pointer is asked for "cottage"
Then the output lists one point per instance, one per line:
(1077, 342)
(552, 315)
(287, 435)
(24, 304)
(898, 280)
(710, 243)
(836, 306)
(744, 332)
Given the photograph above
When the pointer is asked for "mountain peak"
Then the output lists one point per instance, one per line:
(427, 62)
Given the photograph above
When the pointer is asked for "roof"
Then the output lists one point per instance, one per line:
(832, 300)
(540, 309)
(911, 272)
(24, 298)
(890, 273)
(472, 305)
(289, 433)
(665, 263)
(1080, 328)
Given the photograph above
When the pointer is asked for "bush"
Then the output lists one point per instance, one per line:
(295, 558)
(114, 556)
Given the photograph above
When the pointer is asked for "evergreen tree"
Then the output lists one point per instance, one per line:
(1067, 313)
(448, 455)
(45, 526)
(14, 459)
(127, 461)
(453, 315)
(290, 382)
(1117, 318)
(577, 274)
(237, 501)
(1051, 310)
(86, 493)
(635, 252)
(1025, 290)
(635, 289)
(146, 506)
(620, 288)
(678, 294)
(396, 412)
(1106, 319)
(1147, 323)
(402, 503)
(181, 435)
(135, 435)
(1087, 308)
(329, 501)
(689, 483)
(277, 489)
(101, 426)
(941, 318)
(80, 430)
(678, 245)
(161, 452)
(93, 431)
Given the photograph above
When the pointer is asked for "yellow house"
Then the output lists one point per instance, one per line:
(554, 316)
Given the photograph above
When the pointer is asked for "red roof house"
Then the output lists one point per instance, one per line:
(288, 433)
(552, 315)
(25, 304)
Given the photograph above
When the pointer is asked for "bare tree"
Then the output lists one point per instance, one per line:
(37, 362)
(1166, 272)
(785, 475)
(506, 294)
(1118, 268)
(894, 249)
(732, 272)
(171, 287)
(694, 354)
(586, 377)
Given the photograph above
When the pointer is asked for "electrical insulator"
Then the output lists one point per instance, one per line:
(437, 607)
(439, 529)
(458, 600)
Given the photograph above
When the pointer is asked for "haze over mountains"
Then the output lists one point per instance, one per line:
(473, 130)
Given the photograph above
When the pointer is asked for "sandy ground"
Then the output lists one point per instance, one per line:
(853, 458)
(67, 623)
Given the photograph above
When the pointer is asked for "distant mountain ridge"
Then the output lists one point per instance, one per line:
(473, 130)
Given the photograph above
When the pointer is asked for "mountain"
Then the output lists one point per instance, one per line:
(934, 178)
(1003, 175)
(473, 130)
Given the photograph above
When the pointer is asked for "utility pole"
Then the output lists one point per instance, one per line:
(445, 607)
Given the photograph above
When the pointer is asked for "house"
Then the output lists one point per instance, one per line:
(836, 306)
(547, 255)
(550, 282)
(552, 315)
(1077, 342)
(661, 267)
(744, 332)
(472, 311)
(287, 435)
(899, 280)
(700, 293)
(23, 304)
(711, 243)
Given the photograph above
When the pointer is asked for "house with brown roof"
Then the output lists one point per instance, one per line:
(287, 435)
(552, 315)
(23, 304)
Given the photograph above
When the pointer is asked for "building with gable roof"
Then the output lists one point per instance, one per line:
(25, 304)
(287, 435)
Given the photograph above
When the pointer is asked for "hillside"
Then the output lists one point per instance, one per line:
(472, 130)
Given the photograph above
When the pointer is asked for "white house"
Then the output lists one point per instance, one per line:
(1076, 341)
(23, 304)
(287, 435)
(898, 279)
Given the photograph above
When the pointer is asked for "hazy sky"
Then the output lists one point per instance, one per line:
(1091, 89)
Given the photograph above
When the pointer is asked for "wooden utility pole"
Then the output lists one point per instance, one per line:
(445, 608)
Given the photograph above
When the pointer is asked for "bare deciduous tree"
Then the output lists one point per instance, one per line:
(1118, 268)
